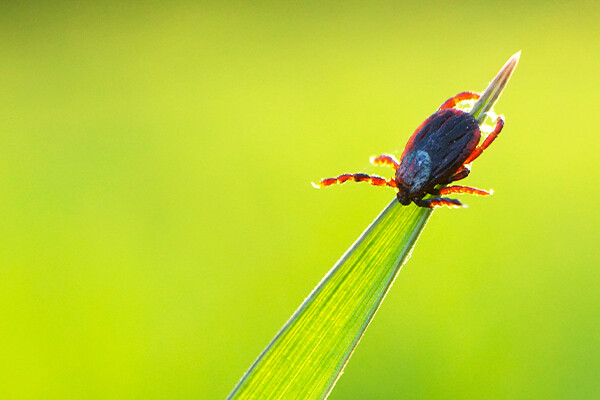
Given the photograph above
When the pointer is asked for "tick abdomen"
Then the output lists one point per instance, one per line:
(446, 140)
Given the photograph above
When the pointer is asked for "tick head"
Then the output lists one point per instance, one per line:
(402, 197)
(413, 175)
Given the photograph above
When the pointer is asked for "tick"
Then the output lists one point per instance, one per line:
(438, 153)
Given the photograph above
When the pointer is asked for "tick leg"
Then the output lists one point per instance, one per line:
(488, 140)
(462, 189)
(386, 160)
(462, 173)
(371, 179)
(438, 202)
(453, 101)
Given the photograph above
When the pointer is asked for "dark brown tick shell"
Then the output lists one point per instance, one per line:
(436, 151)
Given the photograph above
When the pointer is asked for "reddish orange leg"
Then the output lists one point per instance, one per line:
(371, 179)
(386, 160)
(462, 173)
(488, 140)
(453, 101)
(462, 189)
(438, 202)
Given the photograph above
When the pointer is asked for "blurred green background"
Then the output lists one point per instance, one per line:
(159, 227)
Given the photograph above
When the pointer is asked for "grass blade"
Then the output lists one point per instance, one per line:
(492, 93)
(307, 356)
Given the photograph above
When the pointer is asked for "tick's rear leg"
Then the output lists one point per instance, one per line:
(438, 202)
(460, 189)
(488, 140)
(371, 179)
(453, 101)
(387, 160)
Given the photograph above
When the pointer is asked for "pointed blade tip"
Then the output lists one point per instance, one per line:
(512, 62)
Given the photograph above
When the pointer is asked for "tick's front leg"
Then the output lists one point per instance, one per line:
(371, 179)
(438, 202)
(460, 190)
(386, 160)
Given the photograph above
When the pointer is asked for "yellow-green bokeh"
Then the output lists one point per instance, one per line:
(159, 227)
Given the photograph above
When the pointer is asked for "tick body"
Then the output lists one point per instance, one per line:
(438, 153)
